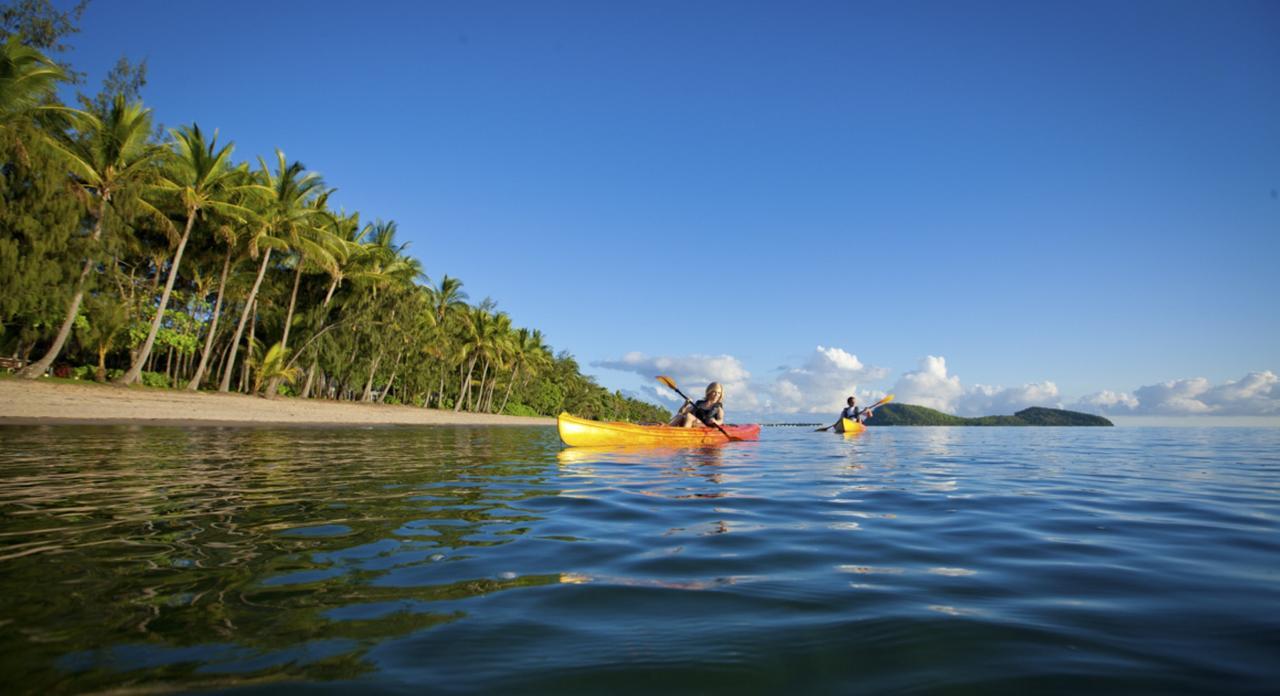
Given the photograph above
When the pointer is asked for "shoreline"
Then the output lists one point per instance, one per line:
(44, 402)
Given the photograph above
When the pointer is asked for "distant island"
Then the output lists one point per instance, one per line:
(908, 414)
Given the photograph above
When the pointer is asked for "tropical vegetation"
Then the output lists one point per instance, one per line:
(131, 255)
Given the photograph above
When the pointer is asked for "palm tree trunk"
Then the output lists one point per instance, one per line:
(439, 394)
(465, 386)
(311, 376)
(329, 295)
(483, 376)
(274, 384)
(37, 368)
(512, 383)
(246, 374)
(493, 387)
(135, 370)
(100, 375)
(368, 386)
(394, 371)
(225, 385)
(293, 302)
(194, 385)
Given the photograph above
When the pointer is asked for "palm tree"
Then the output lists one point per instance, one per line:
(274, 367)
(529, 351)
(107, 155)
(288, 204)
(108, 320)
(200, 178)
(473, 332)
(27, 79)
(446, 301)
(230, 234)
(312, 239)
(500, 350)
(313, 242)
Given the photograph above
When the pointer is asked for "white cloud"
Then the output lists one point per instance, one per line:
(822, 383)
(828, 376)
(929, 386)
(692, 374)
(932, 387)
(983, 400)
(1107, 400)
(1255, 394)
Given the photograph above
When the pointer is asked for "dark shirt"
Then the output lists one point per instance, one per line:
(853, 413)
(705, 414)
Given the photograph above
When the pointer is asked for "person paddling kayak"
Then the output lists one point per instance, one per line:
(707, 412)
(853, 413)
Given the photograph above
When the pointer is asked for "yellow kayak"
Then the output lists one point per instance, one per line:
(581, 432)
(849, 427)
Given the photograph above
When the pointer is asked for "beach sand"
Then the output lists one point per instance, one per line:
(55, 403)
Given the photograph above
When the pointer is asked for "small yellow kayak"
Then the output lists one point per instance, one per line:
(581, 432)
(849, 427)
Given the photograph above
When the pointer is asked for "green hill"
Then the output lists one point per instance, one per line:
(909, 414)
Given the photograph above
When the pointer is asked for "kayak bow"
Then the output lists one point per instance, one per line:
(849, 427)
(581, 432)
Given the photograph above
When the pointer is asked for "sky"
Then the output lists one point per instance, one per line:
(977, 206)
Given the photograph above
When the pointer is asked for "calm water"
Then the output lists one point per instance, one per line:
(979, 560)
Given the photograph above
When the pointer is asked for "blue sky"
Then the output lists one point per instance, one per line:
(1082, 194)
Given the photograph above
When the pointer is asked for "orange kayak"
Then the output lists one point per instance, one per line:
(581, 432)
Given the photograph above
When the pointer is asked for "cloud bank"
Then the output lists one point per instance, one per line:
(1255, 394)
(692, 373)
(828, 375)
(932, 387)
(821, 384)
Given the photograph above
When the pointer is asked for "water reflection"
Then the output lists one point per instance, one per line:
(491, 560)
(282, 547)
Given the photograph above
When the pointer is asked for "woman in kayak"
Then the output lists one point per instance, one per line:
(707, 412)
(853, 413)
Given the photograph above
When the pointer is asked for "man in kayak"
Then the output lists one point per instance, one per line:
(707, 412)
(853, 413)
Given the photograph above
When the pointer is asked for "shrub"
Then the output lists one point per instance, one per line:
(155, 379)
(514, 409)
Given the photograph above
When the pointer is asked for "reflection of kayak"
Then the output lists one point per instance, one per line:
(580, 432)
(849, 427)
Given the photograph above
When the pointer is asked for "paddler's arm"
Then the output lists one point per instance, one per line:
(717, 416)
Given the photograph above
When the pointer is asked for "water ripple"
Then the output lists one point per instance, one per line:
(980, 559)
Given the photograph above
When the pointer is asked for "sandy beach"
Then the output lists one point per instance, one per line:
(41, 401)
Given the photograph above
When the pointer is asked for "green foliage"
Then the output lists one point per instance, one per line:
(39, 23)
(909, 414)
(124, 79)
(97, 196)
(40, 246)
(514, 409)
(275, 365)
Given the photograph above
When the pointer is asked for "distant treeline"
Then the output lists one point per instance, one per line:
(132, 255)
(908, 414)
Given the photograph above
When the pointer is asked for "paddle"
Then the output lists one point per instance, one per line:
(672, 383)
(873, 407)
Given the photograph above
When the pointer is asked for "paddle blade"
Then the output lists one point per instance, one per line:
(668, 381)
